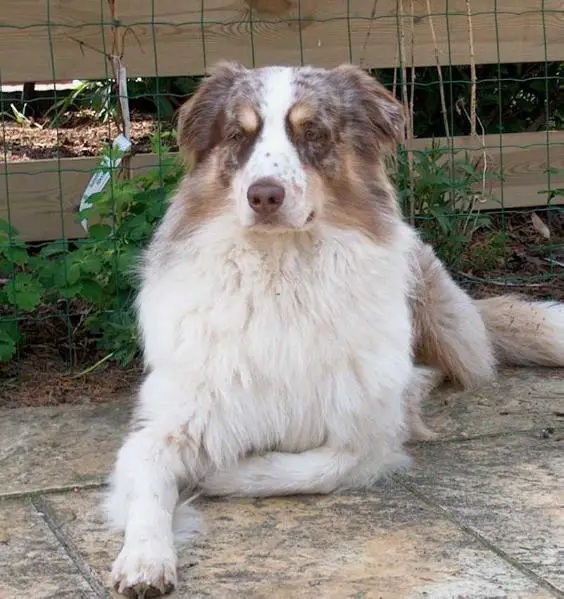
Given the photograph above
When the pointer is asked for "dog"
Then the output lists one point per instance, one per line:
(292, 323)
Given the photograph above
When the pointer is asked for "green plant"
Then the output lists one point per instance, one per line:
(440, 190)
(162, 95)
(555, 192)
(20, 291)
(20, 117)
(97, 96)
(165, 94)
(95, 276)
(511, 98)
(490, 254)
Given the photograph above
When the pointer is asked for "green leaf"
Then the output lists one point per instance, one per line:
(7, 345)
(24, 292)
(66, 272)
(53, 249)
(439, 212)
(73, 273)
(99, 231)
(69, 292)
(91, 264)
(17, 255)
(92, 291)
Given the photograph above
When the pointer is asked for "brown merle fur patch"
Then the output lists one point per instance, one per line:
(222, 119)
(351, 122)
(201, 197)
(361, 198)
(210, 117)
(372, 118)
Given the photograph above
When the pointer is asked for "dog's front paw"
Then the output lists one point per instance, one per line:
(145, 569)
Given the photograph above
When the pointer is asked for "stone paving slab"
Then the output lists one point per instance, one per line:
(59, 446)
(520, 399)
(510, 490)
(32, 562)
(384, 544)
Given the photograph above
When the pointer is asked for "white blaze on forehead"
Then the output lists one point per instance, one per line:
(274, 156)
(277, 94)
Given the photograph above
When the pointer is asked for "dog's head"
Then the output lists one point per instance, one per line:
(291, 147)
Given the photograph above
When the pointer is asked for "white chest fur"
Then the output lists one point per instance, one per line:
(292, 342)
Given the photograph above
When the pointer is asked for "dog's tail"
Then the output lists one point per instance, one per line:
(524, 333)
(466, 339)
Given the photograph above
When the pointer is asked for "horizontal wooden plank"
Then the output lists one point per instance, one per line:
(41, 197)
(522, 159)
(41, 202)
(68, 39)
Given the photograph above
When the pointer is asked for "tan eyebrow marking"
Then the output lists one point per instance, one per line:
(300, 113)
(248, 119)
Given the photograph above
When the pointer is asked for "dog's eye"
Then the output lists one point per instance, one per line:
(237, 136)
(312, 133)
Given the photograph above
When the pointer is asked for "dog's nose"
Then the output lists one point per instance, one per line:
(265, 196)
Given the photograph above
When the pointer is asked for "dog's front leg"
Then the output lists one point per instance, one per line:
(162, 452)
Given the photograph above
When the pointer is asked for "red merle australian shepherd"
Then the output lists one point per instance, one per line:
(292, 322)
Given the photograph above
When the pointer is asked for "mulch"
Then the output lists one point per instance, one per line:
(40, 377)
(79, 134)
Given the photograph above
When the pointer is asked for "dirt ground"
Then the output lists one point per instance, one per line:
(79, 135)
(531, 264)
(43, 378)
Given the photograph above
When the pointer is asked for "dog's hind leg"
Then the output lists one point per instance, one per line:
(449, 332)
(423, 382)
(316, 471)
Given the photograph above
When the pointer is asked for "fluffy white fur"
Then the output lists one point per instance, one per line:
(301, 348)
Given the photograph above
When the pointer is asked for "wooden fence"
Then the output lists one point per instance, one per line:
(67, 39)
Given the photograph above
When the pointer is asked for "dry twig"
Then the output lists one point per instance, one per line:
(408, 109)
(439, 69)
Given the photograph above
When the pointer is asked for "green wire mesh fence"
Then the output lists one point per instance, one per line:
(481, 174)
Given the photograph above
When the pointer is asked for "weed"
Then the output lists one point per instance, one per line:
(555, 192)
(442, 190)
(96, 274)
(490, 254)
(163, 95)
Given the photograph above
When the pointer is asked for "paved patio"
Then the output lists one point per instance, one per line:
(480, 516)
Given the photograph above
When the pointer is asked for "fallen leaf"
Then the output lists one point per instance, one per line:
(540, 226)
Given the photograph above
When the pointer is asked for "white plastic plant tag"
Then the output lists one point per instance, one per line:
(100, 178)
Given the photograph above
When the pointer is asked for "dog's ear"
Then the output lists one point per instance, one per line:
(372, 110)
(200, 119)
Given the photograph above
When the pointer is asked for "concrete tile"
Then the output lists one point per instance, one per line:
(58, 446)
(510, 490)
(33, 564)
(519, 400)
(385, 544)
